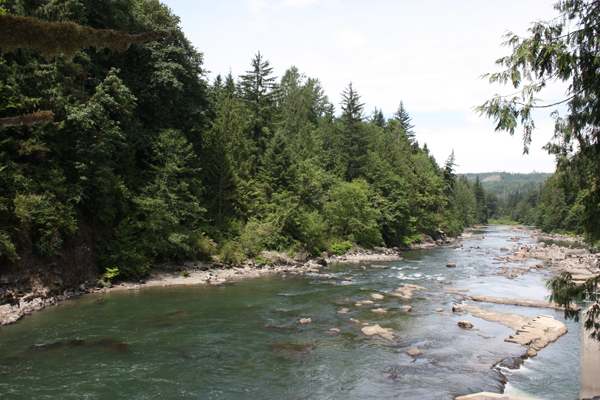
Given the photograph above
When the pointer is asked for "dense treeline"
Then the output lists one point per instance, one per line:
(504, 184)
(159, 164)
(556, 206)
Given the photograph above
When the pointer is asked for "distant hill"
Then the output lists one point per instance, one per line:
(505, 183)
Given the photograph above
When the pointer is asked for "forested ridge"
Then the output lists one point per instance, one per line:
(145, 160)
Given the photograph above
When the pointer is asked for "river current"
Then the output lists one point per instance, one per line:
(243, 341)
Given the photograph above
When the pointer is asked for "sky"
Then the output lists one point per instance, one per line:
(429, 53)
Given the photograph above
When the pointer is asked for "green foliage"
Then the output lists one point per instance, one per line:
(169, 213)
(45, 220)
(125, 255)
(341, 248)
(351, 215)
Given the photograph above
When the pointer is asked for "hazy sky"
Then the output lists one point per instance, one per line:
(429, 54)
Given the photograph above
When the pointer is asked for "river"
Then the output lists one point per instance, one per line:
(243, 341)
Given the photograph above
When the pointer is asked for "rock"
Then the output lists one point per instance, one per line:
(451, 265)
(301, 257)
(414, 352)
(406, 290)
(406, 308)
(334, 330)
(305, 321)
(379, 311)
(522, 302)
(385, 333)
(82, 287)
(503, 248)
(377, 296)
(380, 266)
(277, 258)
(343, 311)
(511, 363)
(465, 324)
(438, 310)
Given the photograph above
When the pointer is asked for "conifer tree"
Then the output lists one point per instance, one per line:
(405, 121)
(353, 140)
(257, 87)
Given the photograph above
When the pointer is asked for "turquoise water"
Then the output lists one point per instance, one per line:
(243, 341)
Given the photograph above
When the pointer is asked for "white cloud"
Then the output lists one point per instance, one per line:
(429, 54)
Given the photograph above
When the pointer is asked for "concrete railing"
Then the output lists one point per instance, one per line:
(589, 382)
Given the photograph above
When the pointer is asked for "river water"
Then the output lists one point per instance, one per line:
(243, 341)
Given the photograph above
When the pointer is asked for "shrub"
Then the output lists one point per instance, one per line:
(341, 248)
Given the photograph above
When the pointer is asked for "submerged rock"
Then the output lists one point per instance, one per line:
(406, 290)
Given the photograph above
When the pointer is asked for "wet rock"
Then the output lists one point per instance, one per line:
(414, 352)
(451, 265)
(522, 302)
(305, 321)
(377, 296)
(465, 324)
(334, 330)
(406, 308)
(48, 346)
(385, 333)
(406, 290)
(438, 310)
(511, 363)
(343, 311)
(379, 311)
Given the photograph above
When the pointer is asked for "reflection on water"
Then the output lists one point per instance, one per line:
(245, 341)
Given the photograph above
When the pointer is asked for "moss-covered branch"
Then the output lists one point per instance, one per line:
(51, 38)
(36, 118)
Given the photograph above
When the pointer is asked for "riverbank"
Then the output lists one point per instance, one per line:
(576, 261)
(26, 298)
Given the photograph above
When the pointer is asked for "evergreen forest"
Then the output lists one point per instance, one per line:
(131, 150)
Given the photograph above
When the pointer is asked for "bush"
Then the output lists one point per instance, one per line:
(229, 254)
(341, 248)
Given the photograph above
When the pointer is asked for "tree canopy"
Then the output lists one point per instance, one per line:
(564, 49)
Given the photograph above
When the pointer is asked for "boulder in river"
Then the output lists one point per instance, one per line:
(414, 352)
(465, 324)
(305, 321)
(451, 265)
(379, 311)
(385, 333)
(405, 290)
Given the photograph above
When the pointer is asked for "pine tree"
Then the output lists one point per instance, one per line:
(377, 118)
(353, 140)
(257, 87)
(405, 121)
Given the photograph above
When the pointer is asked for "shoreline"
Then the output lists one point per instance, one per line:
(217, 274)
(211, 273)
